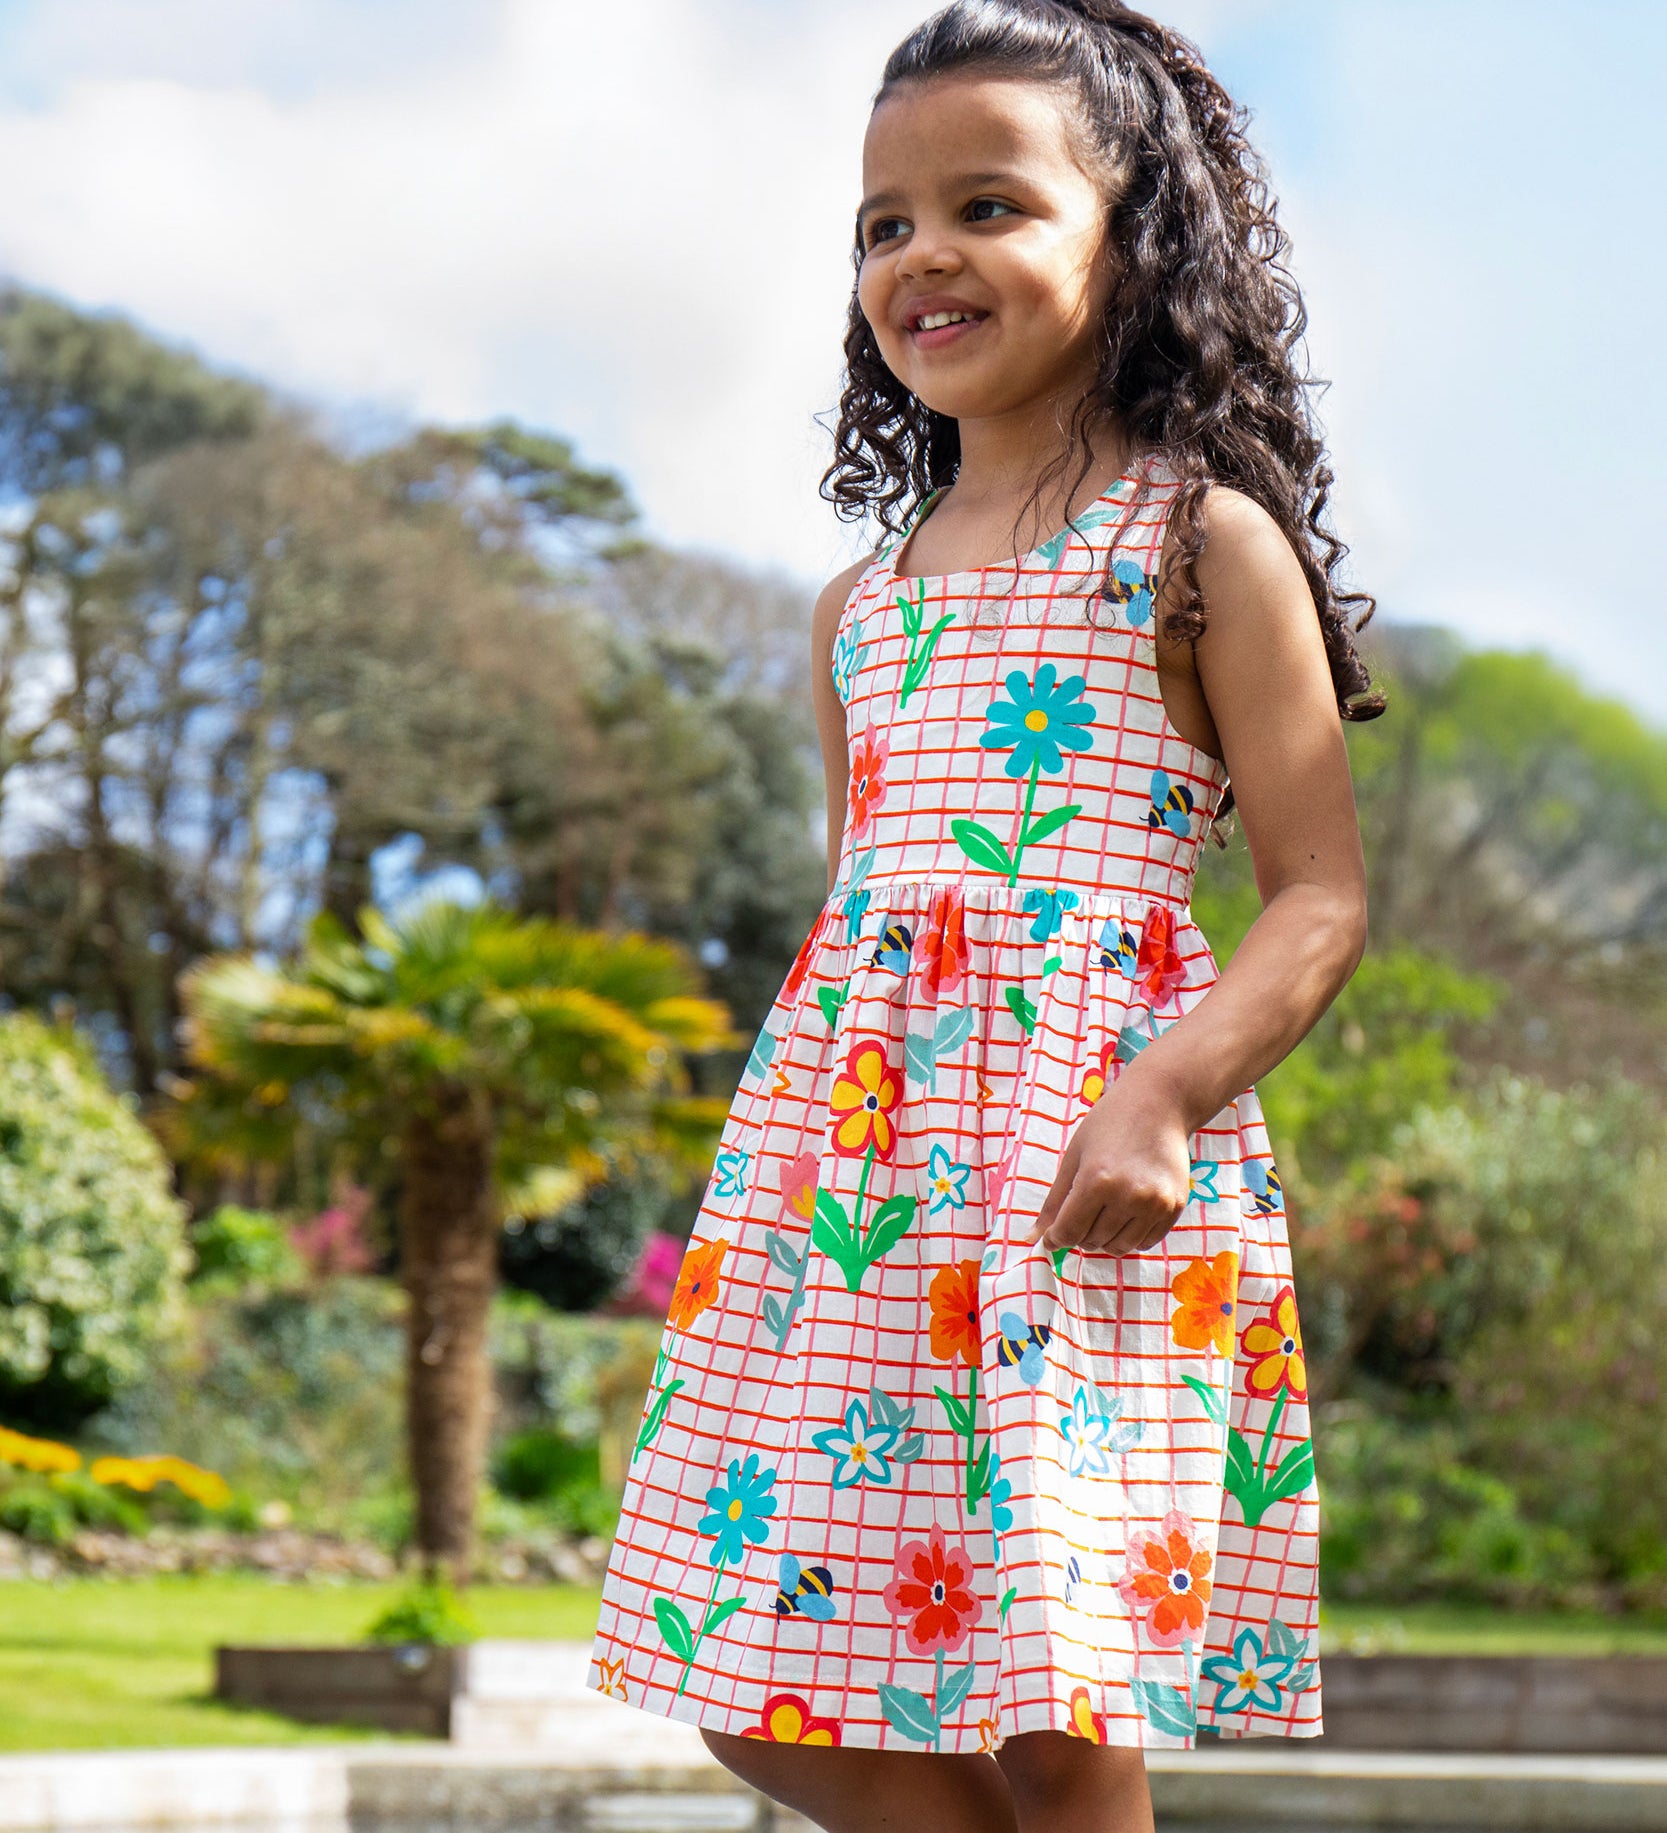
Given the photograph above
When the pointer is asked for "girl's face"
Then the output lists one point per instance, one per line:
(977, 209)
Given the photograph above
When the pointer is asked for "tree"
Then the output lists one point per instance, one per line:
(496, 1062)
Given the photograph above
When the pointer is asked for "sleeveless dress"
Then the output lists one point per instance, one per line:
(903, 1480)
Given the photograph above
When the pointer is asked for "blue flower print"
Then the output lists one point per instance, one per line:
(1000, 1494)
(1250, 1676)
(856, 908)
(847, 654)
(1094, 1434)
(1171, 805)
(729, 1173)
(738, 1509)
(1038, 718)
(1131, 586)
(1203, 1182)
(861, 1452)
(1048, 904)
(947, 1180)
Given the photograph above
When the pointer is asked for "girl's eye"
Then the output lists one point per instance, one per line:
(883, 229)
(979, 205)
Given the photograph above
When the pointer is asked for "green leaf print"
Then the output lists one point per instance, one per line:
(1023, 1008)
(954, 1691)
(719, 1614)
(908, 1712)
(924, 1050)
(920, 650)
(1164, 1707)
(1255, 1482)
(851, 1247)
(675, 1632)
(981, 846)
(1043, 825)
(831, 999)
(764, 1047)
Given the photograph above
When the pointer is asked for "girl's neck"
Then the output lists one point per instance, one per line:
(1003, 460)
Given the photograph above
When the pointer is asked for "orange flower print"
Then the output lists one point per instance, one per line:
(1207, 1293)
(933, 1591)
(1274, 1343)
(954, 1298)
(1085, 1721)
(697, 1282)
(863, 1100)
(1168, 1583)
(942, 948)
(798, 1188)
(787, 1720)
(801, 961)
(613, 1678)
(989, 1734)
(1159, 968)
(868, 779)
(1095, 1081)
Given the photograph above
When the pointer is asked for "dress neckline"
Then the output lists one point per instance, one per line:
(1137, 471)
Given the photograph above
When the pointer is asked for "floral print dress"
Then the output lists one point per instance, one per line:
(904, 1480)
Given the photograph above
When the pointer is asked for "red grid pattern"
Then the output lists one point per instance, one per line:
(1043, 993)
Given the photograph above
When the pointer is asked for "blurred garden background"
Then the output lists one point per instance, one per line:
(403, 835)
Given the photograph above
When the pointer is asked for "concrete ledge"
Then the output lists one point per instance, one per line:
(586, 1786)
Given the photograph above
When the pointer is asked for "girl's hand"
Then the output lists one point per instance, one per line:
(1124, 1177)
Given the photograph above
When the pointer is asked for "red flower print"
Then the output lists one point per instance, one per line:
(1085, 1721)
(868, 779)
(1159, 968)
(863, 1100)
(787, 1720)
(1207, 1295)
(954, 1298)
(697, 1282)
(798, 1188)
(801, 961)
(1275, 1343)
(933, 1593)
(1168, 1581)
(942, 948)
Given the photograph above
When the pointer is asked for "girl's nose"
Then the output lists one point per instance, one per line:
(929, 252)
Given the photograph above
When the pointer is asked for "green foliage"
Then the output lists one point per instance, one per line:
(75, 386)
(48, 1509)
(429, 1612)
(92, 1242)
(1382, 1050)
(238, 1247)
(289, 1394)
(538, 1464)
(1405, 1515)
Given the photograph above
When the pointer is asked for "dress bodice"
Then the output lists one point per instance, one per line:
(998, 737)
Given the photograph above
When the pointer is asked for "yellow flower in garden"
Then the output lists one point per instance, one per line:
(862, 1102)
(1275, 1344)
(144, 1473)
(1207, 1291)
(38, 1454)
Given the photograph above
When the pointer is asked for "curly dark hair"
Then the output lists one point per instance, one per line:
(1200, 351)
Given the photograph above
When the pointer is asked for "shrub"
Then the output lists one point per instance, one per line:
(238, 1248)
(93, 1253)
(427, 1612)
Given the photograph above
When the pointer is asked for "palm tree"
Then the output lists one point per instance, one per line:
(498, 1062)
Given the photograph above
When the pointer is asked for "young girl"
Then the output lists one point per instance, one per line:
(977, 1453)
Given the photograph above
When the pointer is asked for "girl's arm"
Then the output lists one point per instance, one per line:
(1125, 1175)
(830, 710)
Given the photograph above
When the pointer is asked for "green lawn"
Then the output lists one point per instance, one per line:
(91, 1664)
(99, 1664)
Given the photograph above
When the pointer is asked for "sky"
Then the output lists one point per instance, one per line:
(631, 225)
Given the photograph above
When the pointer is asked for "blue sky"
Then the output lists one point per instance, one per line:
(630, 225)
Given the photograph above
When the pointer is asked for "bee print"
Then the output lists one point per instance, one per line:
(895, 949)
(1021, 1346)
(1073, 1578)
(1171, 805)
(1131, 586)
(806, 1591)
(1266, 1192)
(1118, 948)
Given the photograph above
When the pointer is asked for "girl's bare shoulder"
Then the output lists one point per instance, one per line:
(833, 598)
